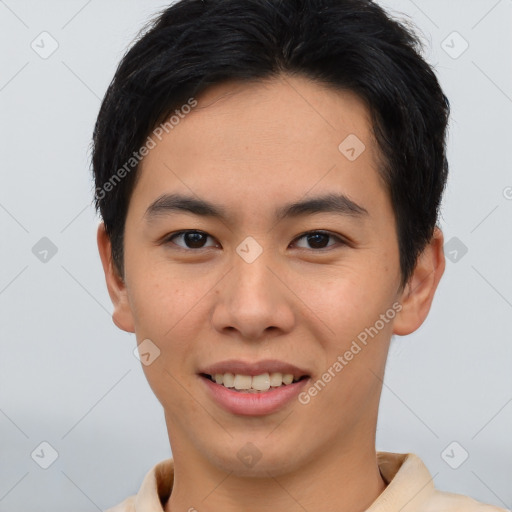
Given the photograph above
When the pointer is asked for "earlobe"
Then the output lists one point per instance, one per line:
(122, 315)
(418, 294)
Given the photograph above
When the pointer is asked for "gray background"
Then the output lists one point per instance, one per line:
(68, 376)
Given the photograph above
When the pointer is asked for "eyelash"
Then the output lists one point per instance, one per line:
(340, 240)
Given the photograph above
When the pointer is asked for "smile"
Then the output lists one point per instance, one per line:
(253, 384)
(250, 401)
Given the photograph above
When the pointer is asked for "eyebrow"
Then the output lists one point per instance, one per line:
(329, 203)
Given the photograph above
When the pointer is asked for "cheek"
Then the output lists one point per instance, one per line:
(355, 351)
(164, 300)
(348, 298)
(168, 310)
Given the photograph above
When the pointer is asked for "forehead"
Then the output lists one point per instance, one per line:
(247, 143)
(269, 118)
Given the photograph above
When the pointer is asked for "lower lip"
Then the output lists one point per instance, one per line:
(253, 404)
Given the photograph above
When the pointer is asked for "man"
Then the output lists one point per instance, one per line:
(269, 177)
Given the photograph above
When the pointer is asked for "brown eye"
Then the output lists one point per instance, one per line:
(319, 239)
(191, 239)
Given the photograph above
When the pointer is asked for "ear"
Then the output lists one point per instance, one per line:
(417, 296)
(122, 315)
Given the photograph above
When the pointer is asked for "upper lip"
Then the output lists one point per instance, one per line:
(240, 367)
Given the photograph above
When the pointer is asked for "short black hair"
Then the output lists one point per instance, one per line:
(347, 44)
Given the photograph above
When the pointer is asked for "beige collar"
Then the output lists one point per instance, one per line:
(409, 484)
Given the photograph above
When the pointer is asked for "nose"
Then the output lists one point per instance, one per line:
(252, 301)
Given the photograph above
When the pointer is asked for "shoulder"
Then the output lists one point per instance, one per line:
(156, 486)
(128, 505)
(405, 471)
(441, 501)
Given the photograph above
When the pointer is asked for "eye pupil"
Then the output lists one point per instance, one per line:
(315, 240)
(193, 239)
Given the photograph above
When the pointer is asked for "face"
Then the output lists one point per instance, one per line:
(256, 245)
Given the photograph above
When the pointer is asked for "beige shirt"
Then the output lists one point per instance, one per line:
(409, 489)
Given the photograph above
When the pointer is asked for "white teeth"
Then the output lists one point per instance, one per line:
(262, 382)
(243, 381)
(229, 380)
(287, 378)
(276, 379)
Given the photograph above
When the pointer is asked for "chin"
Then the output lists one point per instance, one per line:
(254, 459)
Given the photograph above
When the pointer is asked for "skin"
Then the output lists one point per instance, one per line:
(252, 148)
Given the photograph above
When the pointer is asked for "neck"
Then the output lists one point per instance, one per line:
(339, 480)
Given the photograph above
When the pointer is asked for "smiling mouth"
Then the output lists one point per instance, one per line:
(254, 384)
